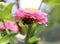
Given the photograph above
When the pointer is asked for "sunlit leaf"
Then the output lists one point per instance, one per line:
(33, 39)
(1, 8)
(34, 26)
(7, 37)
(6, 13)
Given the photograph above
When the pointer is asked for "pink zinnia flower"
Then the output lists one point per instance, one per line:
(29, 16)
(2, 26)
(11, 26)
(19, 14)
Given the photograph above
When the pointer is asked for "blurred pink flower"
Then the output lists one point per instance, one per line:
(2, 26)
(19, 14)
(31, 15)
(11, 26)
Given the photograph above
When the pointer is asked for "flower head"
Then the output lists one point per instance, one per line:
(2, 26)
(11, 26)
(29, 16)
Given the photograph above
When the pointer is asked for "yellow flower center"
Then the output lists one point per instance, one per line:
(31, 9)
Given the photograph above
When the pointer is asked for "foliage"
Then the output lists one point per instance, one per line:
(5, 14)
(2, 0)
(7, 37)
(52, 2)
(33, 40)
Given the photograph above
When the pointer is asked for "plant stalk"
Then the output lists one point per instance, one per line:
(28, 34)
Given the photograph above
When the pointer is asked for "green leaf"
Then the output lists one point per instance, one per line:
(34, 26)
(39, 29)
(33, 39)
(1, 6)
(6, 13)
(25, 27)
(7, 37)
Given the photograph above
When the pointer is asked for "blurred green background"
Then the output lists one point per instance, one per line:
(52, 34)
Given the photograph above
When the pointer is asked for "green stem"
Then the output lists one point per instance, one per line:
(7, 31)
(28, 34)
